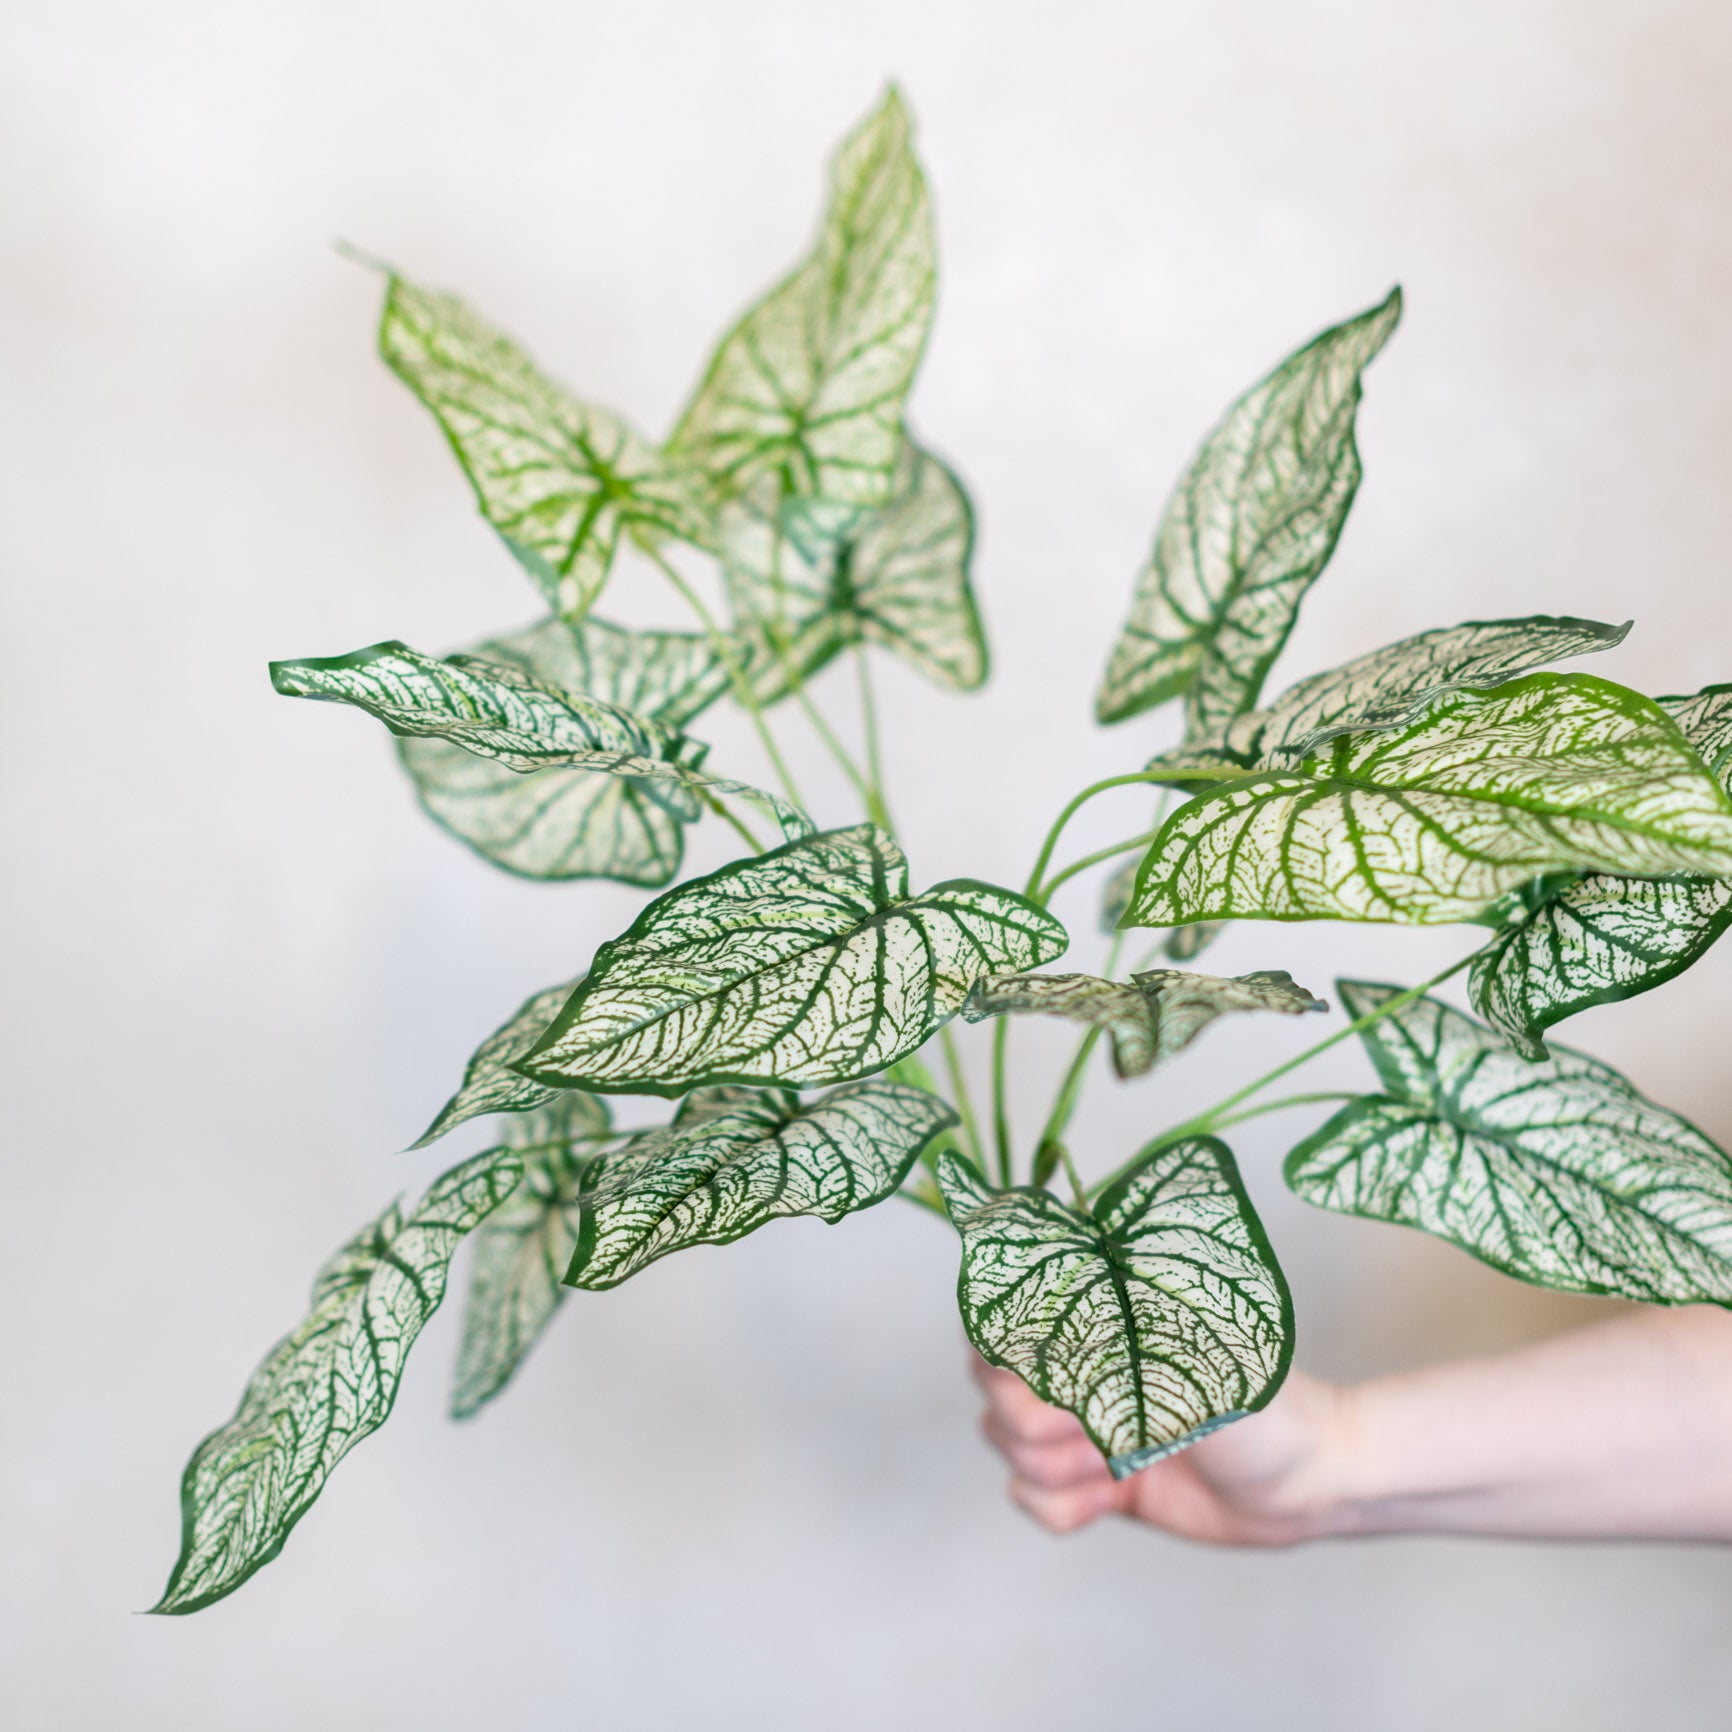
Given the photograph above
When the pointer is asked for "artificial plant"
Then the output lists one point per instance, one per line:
(782, 1003)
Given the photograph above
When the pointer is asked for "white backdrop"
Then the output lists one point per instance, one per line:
(745, 1490)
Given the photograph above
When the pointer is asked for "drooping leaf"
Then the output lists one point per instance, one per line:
(736, 1158)
(810, 964)
(1187, 943)
(324, 1387)
(559, 823)
(559, 479)
(521, 1251)
(897, 577)
(491, 1085)
(808, 387)
(1155, 1015)
(1384, 688)
(497, 712)
(1155, 1318)
(1246, 533)
(1435, 820)
(1558, 1173)
(1574, 942)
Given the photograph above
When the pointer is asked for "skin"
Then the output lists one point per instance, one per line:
(1619, 1431)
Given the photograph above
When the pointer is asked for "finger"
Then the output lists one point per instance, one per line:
(1022, 1413)
(1063, 1512)
(1058, 1466)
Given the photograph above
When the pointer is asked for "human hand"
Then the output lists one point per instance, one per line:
(1257, 1482)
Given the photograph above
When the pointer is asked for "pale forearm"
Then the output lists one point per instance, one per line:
(1622, 1430)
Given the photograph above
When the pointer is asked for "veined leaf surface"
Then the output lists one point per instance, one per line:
(560, 823)
(497, 712)
(324, 1387)
(1160, 1012)
(490, 1085)
(1156, 1317)
(559, 479)
(897, 577)
(1435, 820)
(810, 964)
(808, 387)
(521, 1250)
(1601, 938)
(1558, 1173)
(1246, 533)
(736, 1158)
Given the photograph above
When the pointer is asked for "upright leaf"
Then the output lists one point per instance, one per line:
(1435, 820)
(1247, 532)
(1558, 1173)
(558, 479)
(560, 823)
(497, 712)
(808, 387)
(521, 1251)
(1161, 1010)
(1575, 942)
(736, 1158)
(325, 1387)
(810, 964)
(1155, 1318)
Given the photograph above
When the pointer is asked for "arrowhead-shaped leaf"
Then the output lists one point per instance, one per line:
(326, 1386)
(896, 577)
(810, 964)
(1436, 819)
(558, 479)
(558, 823)
(1161, 1011)
(491, 1085)
(1156, 1317)
(1247, 532)
(808, 387)
(736, 1158)
(1599, 939)
(497, 712)
(1558, 1173)
(521, 1251)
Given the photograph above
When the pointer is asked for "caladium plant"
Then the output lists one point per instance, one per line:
(784, 1007)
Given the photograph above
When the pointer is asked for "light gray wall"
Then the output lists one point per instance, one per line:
(745, 1491)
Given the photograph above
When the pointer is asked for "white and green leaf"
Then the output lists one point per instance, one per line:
(1246, 533)
(497, 712)
(1155, 1317)
(808, 387)
(1435, 820)
(1558, 1173)
(810, 964)
(324, 1387)
(559, 479)
(737, 1158)
(560, 823)
(520, 1252)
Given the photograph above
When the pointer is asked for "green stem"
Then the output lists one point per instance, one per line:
(738, 824)
(964, 1100)
(1220, 1124)
(926, 1199)
(875, 803)
(1000, 1109)
(1203, 1123)
(1076, 1184)
(743, 693)
(1044, 895)
(1064, 1103)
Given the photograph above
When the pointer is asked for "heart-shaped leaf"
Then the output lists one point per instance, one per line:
(497, 712)
(1160, 1012)
(558, 479)
(326, 1386)
(1598, 939)
(736, 1158)
(810, 964)
(1156, 1317)
(1558, 1173)
(808, 387)
(1434, 820)
(520, 1252)
(1246, 533)
(559, 823)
